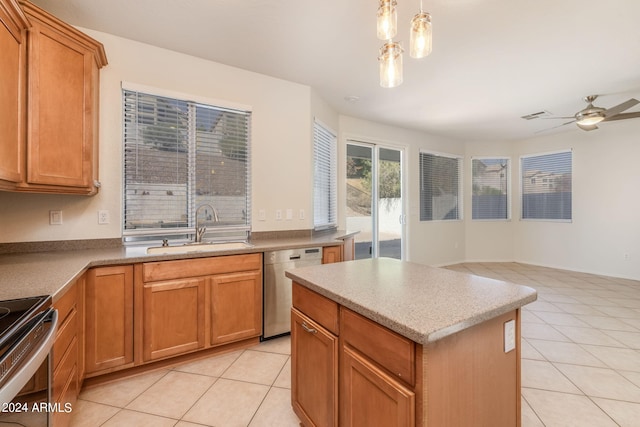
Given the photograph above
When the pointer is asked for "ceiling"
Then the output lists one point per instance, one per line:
(493, 61)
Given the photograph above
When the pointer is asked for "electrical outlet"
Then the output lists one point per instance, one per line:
(103, 217)
(509, 336)
(55, 217)
(262, 215)
(301, 214)
(278, 214)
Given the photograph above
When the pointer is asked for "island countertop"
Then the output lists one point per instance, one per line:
(422, 303)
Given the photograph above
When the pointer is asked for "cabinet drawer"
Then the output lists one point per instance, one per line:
(66, 304)
(168, 270)
(65, 371)
(66, 333)
(320, 309)
(385, 347)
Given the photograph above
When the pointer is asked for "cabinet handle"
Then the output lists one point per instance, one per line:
(308, 329)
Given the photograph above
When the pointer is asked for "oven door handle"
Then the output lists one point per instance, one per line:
(30, 366)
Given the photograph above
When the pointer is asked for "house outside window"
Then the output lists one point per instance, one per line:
(440, 187)
(490, 188)
(547, 186)
(325, 204)
(179, 155)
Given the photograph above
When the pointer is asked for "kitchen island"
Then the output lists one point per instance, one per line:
(387, 342)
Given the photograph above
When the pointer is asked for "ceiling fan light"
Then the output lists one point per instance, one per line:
(589, 118)
(421, 35)
(387, 22)
(390, 61)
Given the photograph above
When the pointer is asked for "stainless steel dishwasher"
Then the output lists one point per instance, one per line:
(277, 287)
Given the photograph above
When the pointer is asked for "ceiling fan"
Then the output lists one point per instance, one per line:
(588, 118)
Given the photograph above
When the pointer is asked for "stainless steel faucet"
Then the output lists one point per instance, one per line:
(200, 230)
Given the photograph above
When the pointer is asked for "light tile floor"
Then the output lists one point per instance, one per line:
(580, 366)
(580, 346)
(249, 387)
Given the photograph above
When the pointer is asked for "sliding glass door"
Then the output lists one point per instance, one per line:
(374, 199)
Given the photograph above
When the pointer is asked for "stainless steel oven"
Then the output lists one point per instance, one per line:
(27, 332)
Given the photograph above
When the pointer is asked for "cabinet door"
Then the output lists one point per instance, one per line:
(369, 396)
(331, 254)
(314, 372)
(60, 136)
(173, 317)
(12, 92)
(109, 318)
(236, 306)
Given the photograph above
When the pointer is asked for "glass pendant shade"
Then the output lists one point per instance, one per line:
(390, 60)
(420, 40)
(387, 23)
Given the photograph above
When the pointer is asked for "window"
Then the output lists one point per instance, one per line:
(440, 187)
(324, 185)
(546, 186)
(490, 193)
(178, 156)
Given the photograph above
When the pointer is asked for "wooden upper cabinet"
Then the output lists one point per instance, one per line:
(62, 84)
(13, 73)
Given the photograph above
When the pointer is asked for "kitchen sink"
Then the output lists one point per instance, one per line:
(199, 247)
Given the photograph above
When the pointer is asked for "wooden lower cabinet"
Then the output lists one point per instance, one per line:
(68, 351)
(331, 254)
(314, 376)
(173, 318)
(109, 319)
(235, 306)
(369, 396)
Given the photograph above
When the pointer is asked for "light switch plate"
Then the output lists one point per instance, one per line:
(509, 336)
(55, 217)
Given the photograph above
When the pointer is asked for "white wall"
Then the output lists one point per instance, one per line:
(606, 204)
(427, 242)
(281, 143)
(604, 235)
(488, 240)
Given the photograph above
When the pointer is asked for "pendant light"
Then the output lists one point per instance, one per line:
(387, 19)
(420, 40)
(390, 61)
(390, 57)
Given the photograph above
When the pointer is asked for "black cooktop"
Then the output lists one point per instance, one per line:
(16, 315)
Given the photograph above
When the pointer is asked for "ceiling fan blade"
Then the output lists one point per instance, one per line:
(555, 127)
(621, 107)
(623, 116)
(559, 117)
(587, 127)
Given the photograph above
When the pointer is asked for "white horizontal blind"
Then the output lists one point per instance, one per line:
(179, 155)
(546, 186)
(490, 192)
(440, 187)
(325, 212)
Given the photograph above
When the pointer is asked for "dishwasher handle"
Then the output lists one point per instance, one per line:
(294, 257)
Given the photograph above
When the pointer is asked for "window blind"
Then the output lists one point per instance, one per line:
(490, 190)
(179, 155)
(324, 183)
(440, 187)
(546, 186)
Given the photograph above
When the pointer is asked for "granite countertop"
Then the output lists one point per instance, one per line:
(422, 303)
(51, 272)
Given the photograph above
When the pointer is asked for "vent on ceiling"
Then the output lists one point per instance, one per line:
(536, 115)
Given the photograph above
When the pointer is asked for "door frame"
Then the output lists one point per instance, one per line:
(375, 145)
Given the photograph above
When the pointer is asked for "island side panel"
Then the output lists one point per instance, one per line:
(470, 380)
